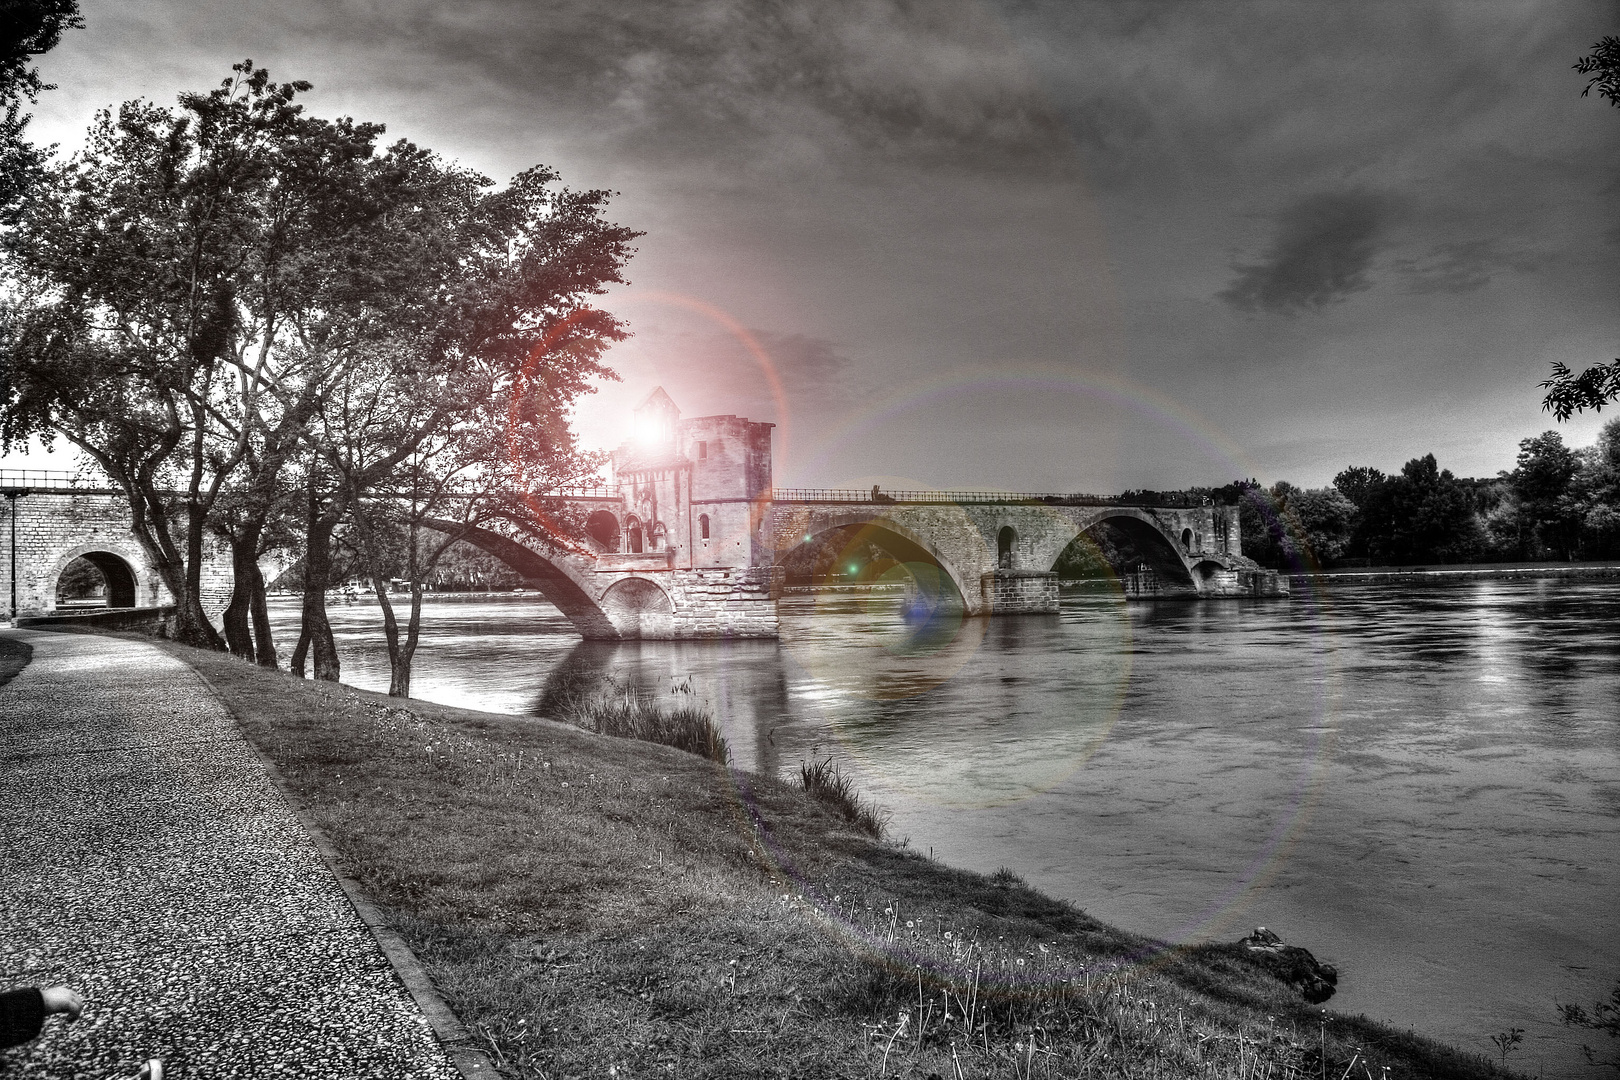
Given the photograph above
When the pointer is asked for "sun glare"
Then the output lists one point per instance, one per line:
(651, 431)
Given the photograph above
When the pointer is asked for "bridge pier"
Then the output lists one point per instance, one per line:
(698, 604)
(1019, 592)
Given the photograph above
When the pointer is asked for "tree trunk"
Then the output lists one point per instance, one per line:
(399, 677)
(264, 644)
(399, 684)
(316, 633)
(300, 651)
(244, 565)
(191, 622)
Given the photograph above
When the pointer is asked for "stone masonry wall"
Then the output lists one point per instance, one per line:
(55, 527)
(712, 603)
(1020, 592)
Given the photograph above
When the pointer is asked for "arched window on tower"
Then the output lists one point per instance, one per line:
(703, 526)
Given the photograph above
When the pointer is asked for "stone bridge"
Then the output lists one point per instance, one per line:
(1001, 551)
(55, 519)
(690, 540)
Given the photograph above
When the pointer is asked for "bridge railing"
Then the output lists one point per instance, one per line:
(51, 479)
(881, 495)
(608, 492)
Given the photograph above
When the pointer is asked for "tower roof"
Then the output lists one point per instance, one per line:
(660, 401)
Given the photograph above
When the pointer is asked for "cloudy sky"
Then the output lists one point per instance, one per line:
(1026, 245)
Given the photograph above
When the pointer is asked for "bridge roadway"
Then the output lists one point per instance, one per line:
(997, 551)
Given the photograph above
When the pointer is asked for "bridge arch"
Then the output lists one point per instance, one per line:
(1146, 544)
(904, 544)
(121, 574)
(603, 527)
(546, 565)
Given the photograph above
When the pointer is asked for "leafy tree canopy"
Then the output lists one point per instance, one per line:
(27, 29)
(1603, 65)
(1567, 392)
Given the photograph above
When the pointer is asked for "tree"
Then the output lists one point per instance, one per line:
(1599, 493)
(1567, 392)
(171, 286)
(454, 410)
(1604, 66)
(1425, 514)
(127, 266)
(1546, 468)
(1358, 483)
(1323, 521)
(28, 28)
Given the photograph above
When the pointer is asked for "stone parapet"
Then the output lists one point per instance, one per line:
(633, 561)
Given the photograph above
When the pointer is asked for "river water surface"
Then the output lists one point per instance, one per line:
(1420, 786)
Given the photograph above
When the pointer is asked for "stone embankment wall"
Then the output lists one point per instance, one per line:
(1424, 575)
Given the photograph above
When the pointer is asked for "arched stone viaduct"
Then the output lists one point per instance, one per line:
(691, 540)
(57, 522)
(1002, 555)
(999, 556)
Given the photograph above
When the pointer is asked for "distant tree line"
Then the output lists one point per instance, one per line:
(273, 333)
(461, 567)
(1558, 502)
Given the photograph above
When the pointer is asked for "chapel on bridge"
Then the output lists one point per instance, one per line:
(692, 490)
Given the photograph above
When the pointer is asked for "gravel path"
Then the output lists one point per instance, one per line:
(147, 861)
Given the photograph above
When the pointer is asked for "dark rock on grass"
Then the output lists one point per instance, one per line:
(1295, 966)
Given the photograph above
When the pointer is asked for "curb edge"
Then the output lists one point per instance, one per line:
(452, 1034)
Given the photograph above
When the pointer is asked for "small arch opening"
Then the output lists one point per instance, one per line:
(1186, 539)
(637, 607)
(703, 526)
(96, 579)
(633, 528)
(1005, 541)
(603, 527)
(658, 536)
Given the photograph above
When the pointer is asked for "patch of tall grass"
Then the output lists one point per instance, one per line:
(824, 781)
(627, 713)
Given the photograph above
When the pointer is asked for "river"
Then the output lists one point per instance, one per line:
(1420, 785)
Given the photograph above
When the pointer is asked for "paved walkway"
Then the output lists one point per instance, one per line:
(147, 861)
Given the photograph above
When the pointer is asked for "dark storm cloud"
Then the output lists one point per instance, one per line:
(967, 184)
(1321, 253)
(758, 86)
(808, 366)
(725, 372)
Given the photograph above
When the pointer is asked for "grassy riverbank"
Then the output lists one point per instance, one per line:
(594, 906)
